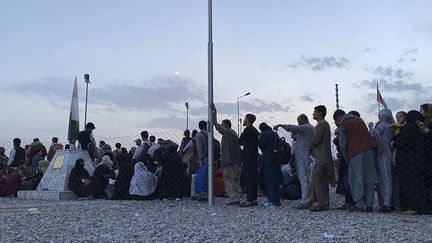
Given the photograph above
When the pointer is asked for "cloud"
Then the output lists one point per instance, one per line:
(320, 63)
(156, 93)
(161, 93)
(392, 86)
(411, 51)
(366, 50)
(251, 106)
(176, 122)
(307, 97)
(391, 72)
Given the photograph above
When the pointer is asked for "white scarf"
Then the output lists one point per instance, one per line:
(143, 182)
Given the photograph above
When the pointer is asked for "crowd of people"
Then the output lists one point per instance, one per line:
(391, 157)
(24, 168)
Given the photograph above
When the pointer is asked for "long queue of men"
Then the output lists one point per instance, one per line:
(393, 158)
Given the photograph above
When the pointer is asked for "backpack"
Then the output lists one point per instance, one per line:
(281, 150)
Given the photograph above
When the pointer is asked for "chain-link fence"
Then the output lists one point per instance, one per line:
(170, 165)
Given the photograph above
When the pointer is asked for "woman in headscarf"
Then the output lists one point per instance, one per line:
(102, 174)
(270, 170)
(143, 184)
(31, 182)
(426, 128)
(79, 180)
(410, 158)
(383, 135)
(173, 180)
(426, 111)
(126, 171)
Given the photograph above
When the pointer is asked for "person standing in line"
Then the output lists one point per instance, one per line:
(249, 159)
(322, 172)
(358, 148)
(230, 158)
(270, 169)
(201, 140)
(304, 132)
(384, 136)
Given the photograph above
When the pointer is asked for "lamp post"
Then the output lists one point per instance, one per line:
(187, 115)
(87, 81)
(238, 112)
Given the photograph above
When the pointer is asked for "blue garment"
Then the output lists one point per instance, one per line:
(271, 171)
(201, 179)
(35, 162)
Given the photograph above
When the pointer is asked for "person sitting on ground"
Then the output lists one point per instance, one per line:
(106, 148)
(80, 180)
(124, 151)
(32, 182)
(126, 171)
(138, 143)
(290, 189)
(143, 184)
(152, 140)
(3, 159)
(101, 177)
(35, 147)
(35, 161)
(53, 148)
(116, 152)
(9, 185)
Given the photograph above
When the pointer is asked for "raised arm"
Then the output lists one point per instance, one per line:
(218, 126)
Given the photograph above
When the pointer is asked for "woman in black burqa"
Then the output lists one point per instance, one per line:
(173, 179)
(101, 176)
(411, 161)
(80, 180)
(126, 171)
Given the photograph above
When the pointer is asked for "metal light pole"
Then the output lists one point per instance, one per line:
(210, 101)
(87, 81)
(187, 115)
(337, 96)
(238, 112)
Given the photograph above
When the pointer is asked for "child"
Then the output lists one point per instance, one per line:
(396, 127)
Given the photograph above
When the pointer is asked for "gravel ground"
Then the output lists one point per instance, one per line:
(192, 221)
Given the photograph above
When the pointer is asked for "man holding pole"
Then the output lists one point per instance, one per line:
(230, 158)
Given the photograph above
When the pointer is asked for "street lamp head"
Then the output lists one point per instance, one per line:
(187, 105)
(87, 78)
(248, 93)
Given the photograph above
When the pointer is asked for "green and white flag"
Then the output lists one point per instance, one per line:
(74, 116)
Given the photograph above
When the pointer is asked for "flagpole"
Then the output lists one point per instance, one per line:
(210, 101)
(378, 100)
